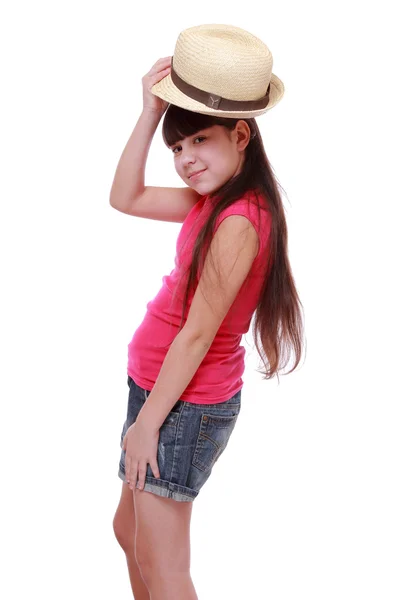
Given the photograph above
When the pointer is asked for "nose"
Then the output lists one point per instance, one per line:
(187, 157)
(188, 162)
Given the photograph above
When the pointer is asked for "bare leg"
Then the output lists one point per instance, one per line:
(171, 587)
(125, 531)
(139, 588)
(163, 546)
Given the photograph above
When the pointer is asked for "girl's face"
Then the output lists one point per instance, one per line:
(216, 151)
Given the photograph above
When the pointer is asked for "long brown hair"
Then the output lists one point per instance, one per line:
(278, 325)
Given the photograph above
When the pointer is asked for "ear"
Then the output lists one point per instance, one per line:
(243, 134)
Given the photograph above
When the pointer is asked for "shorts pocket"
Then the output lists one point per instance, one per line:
(213, 437)
(166, 444)
(171, 419)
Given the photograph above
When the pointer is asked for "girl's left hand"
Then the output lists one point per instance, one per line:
(140, 444)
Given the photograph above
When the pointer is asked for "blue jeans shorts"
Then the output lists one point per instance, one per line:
(191, 439)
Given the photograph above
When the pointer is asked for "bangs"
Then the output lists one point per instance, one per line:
(180, 123)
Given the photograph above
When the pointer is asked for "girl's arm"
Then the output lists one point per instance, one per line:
(129, 193)
(180, 364)
(128, 183)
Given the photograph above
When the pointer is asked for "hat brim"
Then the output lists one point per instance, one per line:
(168, 91)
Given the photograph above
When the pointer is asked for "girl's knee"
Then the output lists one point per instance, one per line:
(125, 533)
(124, 524)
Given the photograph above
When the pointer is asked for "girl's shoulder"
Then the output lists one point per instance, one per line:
(252, 205)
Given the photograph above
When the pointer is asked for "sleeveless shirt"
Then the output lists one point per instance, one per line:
(219, 375)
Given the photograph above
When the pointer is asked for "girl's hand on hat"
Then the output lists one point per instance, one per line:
(159, 70)
(140, 445)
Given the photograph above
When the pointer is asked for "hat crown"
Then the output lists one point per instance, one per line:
(223, 60)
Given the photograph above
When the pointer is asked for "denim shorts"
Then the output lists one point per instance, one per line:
(191, 439)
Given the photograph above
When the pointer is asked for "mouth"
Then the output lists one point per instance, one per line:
(196, 174)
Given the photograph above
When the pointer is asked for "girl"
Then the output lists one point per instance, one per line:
(185, 361)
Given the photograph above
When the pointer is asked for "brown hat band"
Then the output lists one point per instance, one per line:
(214, 101)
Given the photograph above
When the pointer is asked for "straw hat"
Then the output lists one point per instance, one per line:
(221, 70)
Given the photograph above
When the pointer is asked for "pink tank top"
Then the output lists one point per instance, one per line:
(219, 375)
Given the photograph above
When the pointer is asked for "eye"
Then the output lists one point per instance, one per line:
(199, 137)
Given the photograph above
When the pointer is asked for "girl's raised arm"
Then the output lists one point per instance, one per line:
(128, 192)
(128, 181)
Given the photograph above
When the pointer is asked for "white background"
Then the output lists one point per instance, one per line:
(305, 502)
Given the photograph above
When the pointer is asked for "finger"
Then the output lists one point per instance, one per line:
(133, 475)
(159, 65)
(154, 467)
(142, 474)
(158, 76)
(127, 467)
(165, 58)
